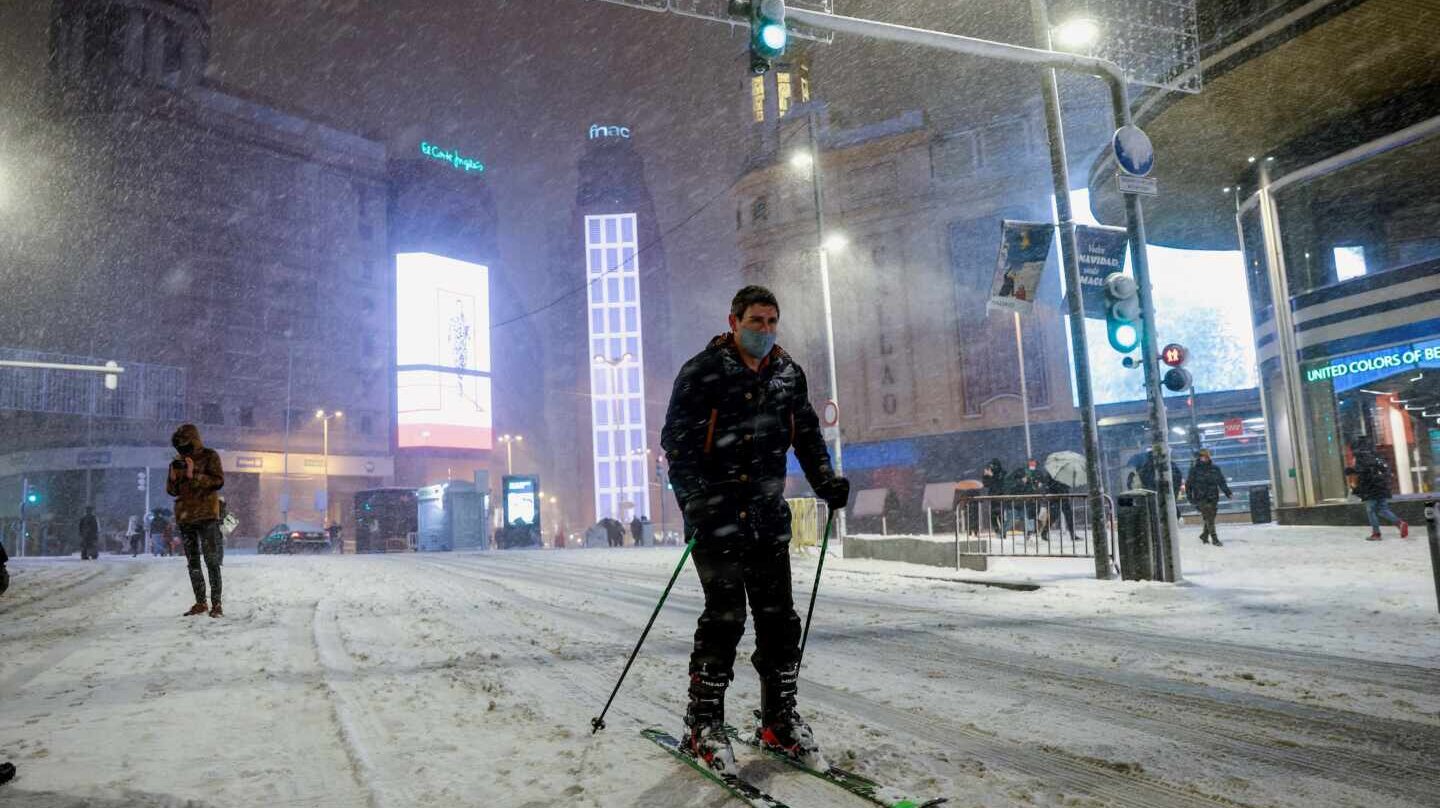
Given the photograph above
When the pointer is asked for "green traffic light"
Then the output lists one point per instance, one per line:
(1123, 336)
(773, 37)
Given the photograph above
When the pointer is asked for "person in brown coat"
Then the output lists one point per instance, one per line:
(194, 481)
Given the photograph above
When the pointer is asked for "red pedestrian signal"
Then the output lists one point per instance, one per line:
(1174, 355)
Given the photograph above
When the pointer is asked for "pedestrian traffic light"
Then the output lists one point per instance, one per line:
(1122, 312)
(1174, 354)
(768, 34)
(1177, 378)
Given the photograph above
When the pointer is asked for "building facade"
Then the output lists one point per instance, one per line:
(231, 255)
(1309, 150)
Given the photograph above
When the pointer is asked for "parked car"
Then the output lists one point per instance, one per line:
(299, 537)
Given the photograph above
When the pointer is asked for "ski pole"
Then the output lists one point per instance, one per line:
(598, 722)
(809, 613)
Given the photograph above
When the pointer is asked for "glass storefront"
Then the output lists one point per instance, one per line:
(1388, 398)
(1352, 247)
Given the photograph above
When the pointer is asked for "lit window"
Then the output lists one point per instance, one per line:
(804, 84)
(1349, 262)
(757, 97)
(782, 91)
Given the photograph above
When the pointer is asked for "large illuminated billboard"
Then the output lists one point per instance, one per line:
(442, 353)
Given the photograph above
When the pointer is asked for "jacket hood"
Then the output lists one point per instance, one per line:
(187, 433)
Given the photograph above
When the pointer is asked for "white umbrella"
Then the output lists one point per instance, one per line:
(1066, 467)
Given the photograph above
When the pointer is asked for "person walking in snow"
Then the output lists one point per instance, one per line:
(1372, 485)
(89, 535)
(993, 478)
(4, 571)
(736, 409)
(1204, 485)
(195, 480)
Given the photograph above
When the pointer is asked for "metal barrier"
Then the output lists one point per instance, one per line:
(1037, 525)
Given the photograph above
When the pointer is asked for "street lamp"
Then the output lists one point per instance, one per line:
(619, 414)
(1077, 33)
(510, 441)
(825, 242)
(325, 419)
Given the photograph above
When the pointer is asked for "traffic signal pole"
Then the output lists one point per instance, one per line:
(1070, 265)
(1113, 76)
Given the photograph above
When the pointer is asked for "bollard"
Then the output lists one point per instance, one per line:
(1432, 527)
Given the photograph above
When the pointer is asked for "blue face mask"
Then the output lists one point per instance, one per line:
(756, 343)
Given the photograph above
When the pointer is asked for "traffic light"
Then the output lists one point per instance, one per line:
(140, 480)
(32, 496)
(1122, 312)
(768, 34)
(1177, 378)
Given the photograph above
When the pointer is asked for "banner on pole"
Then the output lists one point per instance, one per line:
(1100, 252)
(1024, 249)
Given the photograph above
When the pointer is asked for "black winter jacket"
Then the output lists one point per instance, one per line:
(1148, 477)
(728, 429)
(1372, 476)
(1206, 483)
(994, 478)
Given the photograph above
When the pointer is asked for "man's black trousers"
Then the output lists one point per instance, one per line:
(732, 569)
(204, 540)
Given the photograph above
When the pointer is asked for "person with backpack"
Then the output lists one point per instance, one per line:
(1372, 485)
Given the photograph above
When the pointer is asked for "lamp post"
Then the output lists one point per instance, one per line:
(644, 478)
(825, 242)
(325, 419)
(617, 418)
(510, 441)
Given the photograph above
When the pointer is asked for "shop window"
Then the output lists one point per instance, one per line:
(1349, 262)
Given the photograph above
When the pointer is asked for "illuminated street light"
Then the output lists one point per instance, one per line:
(1077, 33)
(802, 161)
(325, 419)
(836, 241)
(510, 441)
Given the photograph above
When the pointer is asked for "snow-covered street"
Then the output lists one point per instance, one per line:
(1296, 667)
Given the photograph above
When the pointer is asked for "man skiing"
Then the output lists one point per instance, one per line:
(194, 481)
(736, 409)
(1205, 484)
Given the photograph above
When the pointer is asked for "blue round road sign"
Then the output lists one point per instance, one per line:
(1133, 151)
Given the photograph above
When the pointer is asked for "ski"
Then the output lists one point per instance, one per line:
(857, 784)
(737, 786)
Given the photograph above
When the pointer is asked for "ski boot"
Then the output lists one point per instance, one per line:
(705, 737)
(199, 608)
(781, 727)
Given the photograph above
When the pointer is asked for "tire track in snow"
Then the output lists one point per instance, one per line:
(1183, 719)
(351, 718)
(1410, 779)
(1043, 768)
